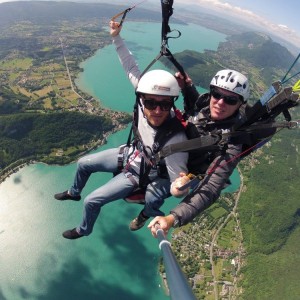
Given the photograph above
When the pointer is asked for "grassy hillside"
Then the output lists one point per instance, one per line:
(270, 216)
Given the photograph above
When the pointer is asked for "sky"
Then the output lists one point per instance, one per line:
(279, 17)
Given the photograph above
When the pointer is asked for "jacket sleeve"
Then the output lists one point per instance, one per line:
(193, 100)
(209, 189)
(190, 97)
(177, 162)
(127, 61)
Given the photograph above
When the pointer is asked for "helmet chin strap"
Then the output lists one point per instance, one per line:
(139, 103)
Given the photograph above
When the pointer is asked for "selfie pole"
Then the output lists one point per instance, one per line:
(177, 282)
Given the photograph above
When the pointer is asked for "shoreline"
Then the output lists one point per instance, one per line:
(26, 163)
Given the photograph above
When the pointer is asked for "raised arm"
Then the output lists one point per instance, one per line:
(125, 56)
(190, 94)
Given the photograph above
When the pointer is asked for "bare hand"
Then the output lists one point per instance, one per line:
(181, 82)
(178, 183)
(165, 223)
(115, 28)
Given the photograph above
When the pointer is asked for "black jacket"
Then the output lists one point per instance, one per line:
(217, 165)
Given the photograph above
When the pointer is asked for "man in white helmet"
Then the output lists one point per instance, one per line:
(156, 91)
(217, 110)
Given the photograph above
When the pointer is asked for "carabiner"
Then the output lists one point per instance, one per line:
(124, 13)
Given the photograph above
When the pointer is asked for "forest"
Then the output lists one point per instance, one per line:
(270, 214)
(36, 136)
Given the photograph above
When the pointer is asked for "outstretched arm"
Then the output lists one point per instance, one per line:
(204, 195)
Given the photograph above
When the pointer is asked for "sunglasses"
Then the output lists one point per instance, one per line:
(230, 100)
(152, 104)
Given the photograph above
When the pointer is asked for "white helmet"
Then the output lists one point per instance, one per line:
(158, 82)
(232, 81)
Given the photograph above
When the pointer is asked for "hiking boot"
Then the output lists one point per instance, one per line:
(138, 222)
(72, 234)
(66, 196)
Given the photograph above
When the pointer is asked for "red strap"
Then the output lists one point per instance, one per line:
(179, 116)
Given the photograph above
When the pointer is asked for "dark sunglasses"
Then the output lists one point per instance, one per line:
(152, 104)
(230, 100)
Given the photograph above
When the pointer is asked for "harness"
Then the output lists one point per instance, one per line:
(148, 154)
(168, 129)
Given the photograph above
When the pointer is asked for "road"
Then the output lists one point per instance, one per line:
(232, 214)
(88, 104)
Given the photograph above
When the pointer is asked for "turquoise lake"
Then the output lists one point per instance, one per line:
(112, 263)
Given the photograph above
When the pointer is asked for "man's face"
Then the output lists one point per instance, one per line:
(223, 103)
(157, 108)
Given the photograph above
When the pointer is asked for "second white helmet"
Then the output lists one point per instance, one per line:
(158, 82)
(232, 81)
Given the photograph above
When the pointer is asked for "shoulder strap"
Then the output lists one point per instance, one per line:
(163, 135)
(166, 132)
(134, 123)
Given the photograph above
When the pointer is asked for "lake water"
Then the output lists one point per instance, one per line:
(104, 77)
(112, 263)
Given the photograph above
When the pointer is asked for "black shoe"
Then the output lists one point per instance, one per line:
(138, 222)
(66, 196)
(72, 234)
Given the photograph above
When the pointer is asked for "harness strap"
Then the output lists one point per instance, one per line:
(215, 142)
(167, 11)
(254, 127)
(171, 58)
(131, 178)
(151, 63)
(284, 80)
(121, 158)
(144, 173)
(204, 142)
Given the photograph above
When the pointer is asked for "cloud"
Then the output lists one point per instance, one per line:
(249, 16)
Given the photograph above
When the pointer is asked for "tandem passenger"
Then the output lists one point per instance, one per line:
(217, 110)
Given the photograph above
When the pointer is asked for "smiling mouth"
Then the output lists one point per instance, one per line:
(219, 110)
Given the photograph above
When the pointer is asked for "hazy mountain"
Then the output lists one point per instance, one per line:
(50, 11)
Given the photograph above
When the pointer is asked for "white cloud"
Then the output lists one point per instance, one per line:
(284, 27)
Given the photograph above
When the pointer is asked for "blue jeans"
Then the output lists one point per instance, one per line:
(117, 188)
